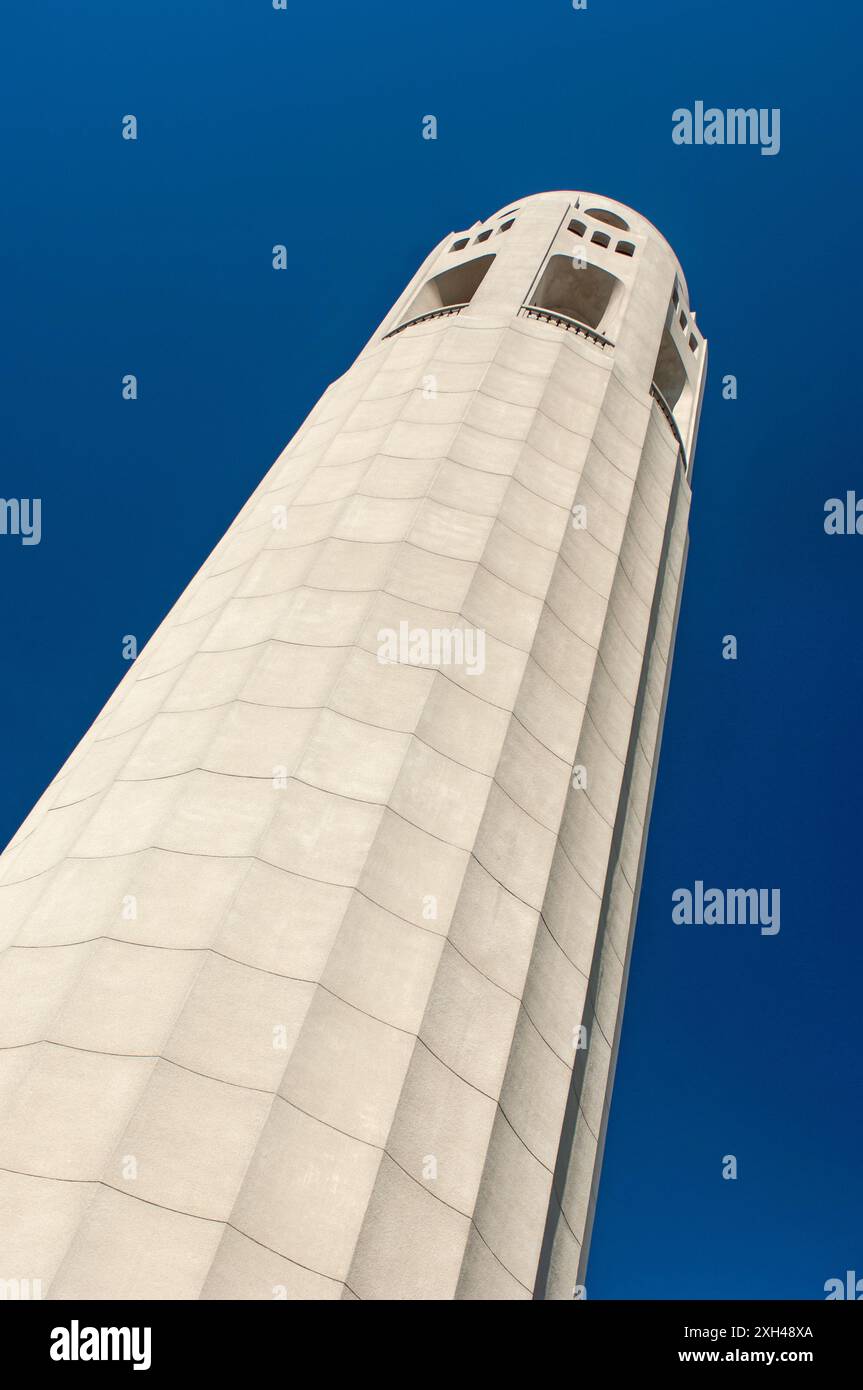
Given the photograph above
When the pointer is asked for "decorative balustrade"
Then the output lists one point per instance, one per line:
(535, 311)
(443, 312)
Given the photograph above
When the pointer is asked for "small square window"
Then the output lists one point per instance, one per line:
(577, 227)
(625, 248)
(682, 319)
(505, 226)
(484, 236)
(601, 238)
(460, 244)
(693, 342)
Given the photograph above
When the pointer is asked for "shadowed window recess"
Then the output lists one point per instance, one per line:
(451, 288)
(586, 293)
(610, 218)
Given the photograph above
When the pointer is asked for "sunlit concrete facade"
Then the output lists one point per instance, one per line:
(314, 961)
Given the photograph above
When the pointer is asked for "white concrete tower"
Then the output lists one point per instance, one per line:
(315, 950)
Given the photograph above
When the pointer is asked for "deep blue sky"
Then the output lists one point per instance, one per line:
(303, 127)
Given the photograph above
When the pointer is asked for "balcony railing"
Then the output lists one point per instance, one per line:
(667, 412)
(534, 311)
(442, 313)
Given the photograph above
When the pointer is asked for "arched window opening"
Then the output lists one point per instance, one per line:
(451, 288)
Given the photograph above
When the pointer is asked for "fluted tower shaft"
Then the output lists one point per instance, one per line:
(314, 953)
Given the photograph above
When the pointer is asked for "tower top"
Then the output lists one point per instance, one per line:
(598, 206)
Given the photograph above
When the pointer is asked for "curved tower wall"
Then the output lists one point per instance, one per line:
(315, 950)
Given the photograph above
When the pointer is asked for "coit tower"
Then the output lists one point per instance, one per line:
(315, 951)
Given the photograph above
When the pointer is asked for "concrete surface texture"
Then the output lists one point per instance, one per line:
(314, 953)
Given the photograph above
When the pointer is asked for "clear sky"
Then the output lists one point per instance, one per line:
(303, 127)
